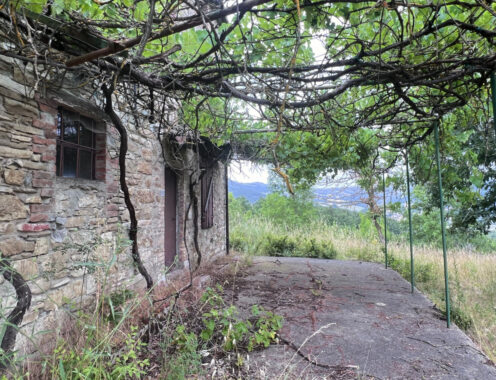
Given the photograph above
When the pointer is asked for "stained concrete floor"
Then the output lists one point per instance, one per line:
(353, 319)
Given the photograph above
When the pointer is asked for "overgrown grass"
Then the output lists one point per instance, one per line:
(472, 275)
(129, 334)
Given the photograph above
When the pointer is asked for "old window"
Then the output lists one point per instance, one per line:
(207, 198)
(76, 145)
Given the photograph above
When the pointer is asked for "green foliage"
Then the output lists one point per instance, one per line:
(223, 330)
(114, 303)
(272, 244)
(291, 211)
(99, 362)
(424, 272)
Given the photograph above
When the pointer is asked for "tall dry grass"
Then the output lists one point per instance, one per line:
(472, 275)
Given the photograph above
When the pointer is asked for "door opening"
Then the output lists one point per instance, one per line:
(170, 238)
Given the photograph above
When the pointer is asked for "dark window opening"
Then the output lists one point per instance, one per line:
(207, 198)
(76, 145)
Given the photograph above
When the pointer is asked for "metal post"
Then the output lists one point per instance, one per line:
(443, 228)
(226, 191)
(385, 221)
(412, 267)
(493, 96)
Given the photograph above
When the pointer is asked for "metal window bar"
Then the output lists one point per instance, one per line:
(62, 143)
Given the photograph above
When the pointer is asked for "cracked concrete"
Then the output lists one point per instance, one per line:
(369, 324)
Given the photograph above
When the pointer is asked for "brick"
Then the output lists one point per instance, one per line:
(51, 134)
(46, 108)
(25, 227)
(113, 188)
(112, 207)
(43, 175)
(35, 218)
(112, 214)
(47, 193)
(47, 157)
(39, 148)
(42, 141)
(34, 208)
(44, 125)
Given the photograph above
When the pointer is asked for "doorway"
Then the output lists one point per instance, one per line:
(170, 235)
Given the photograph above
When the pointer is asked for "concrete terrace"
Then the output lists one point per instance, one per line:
(350, 319)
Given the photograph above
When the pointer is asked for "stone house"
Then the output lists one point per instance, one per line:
(62, 213)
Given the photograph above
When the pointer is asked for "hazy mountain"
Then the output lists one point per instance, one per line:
(252, 191)
(343, 197)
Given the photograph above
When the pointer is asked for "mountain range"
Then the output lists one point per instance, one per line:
(349, 197)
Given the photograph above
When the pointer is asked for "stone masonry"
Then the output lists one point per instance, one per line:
(61, 233)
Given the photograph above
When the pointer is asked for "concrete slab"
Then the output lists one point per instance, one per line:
(353, 319)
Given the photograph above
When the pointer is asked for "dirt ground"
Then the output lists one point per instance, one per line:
(350, 319)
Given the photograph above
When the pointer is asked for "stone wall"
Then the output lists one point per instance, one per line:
(60, 233)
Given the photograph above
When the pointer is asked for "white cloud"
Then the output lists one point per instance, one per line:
(246, 172)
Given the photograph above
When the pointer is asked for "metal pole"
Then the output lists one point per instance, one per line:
(443, 228)
(493, 96)
(385, 221)
(226, 191)
(412, 267)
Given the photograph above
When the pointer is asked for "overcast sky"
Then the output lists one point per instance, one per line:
(245, 171)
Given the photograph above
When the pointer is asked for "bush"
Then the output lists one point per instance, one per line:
(295, 246)
(424, 272)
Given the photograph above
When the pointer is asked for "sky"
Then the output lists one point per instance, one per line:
(245, 172)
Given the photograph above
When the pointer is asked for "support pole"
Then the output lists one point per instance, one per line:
(226, 191)
(385, 221)
(412, 266)
(443, 228)
(493, 96)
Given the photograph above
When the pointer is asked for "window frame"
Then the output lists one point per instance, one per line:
(61, 144)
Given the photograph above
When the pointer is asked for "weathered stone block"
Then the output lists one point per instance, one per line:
(46, 193)
(144, 196)
(11, 208)
(14, 177)
(33, 199)
(6, 151)
(27, 129)
(40, 285)
(59, 235)
(10, 247)
(145, 167)
(20, 108)
(42, 246)
(75, 221)
(27, 268)
(24, 139)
